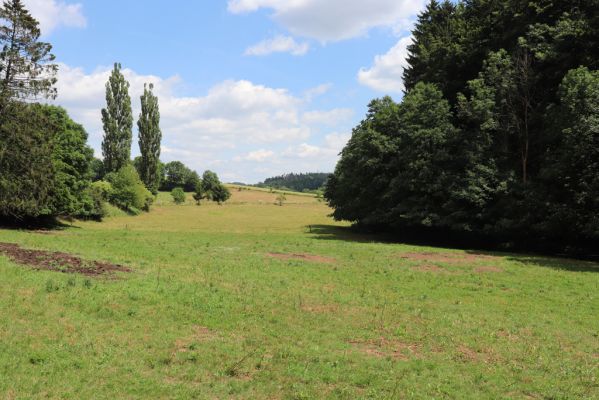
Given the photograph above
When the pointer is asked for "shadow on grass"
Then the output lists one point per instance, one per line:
(37, 225)
(566, 262)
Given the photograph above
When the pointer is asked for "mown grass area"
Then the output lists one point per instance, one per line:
(251, 300)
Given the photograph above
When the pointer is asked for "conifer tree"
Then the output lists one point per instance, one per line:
(118, 122)
(27, 71)
(149, 139)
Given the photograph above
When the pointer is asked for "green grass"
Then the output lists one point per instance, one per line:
(208, 314)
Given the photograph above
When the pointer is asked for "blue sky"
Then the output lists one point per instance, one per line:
(247, 88)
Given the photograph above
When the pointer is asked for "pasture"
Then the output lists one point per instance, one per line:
(250, 300)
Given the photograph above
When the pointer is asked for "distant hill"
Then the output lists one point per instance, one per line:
(297, 182)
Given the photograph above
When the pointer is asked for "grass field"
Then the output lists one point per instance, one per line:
(254, 301)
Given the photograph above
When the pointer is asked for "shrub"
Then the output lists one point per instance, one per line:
(128, 191)
(281, 199)
(178, 195)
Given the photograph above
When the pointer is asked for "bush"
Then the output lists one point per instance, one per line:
(281, 199)
(178, 195)
(128, 191)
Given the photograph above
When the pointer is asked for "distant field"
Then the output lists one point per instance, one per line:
(250, 300)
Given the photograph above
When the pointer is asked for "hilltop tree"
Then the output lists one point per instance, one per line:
(27, 70)
(212, 189)
(118, 122)
(149, 139)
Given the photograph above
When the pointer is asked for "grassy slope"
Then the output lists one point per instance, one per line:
(207, 314)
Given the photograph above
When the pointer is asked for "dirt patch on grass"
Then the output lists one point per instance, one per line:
(448, 258)
(59, 262)
(484, 270)
(470, 355)
(383, 348)
(303, 257)
(320, 308)
(200, 334)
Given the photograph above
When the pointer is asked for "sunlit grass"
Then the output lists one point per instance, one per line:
(212, 311)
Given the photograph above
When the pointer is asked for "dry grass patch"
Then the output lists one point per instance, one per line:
(467, 354)
(303, 257)
(320, 308)
(448, 258)
(384, 348)
(200, 334)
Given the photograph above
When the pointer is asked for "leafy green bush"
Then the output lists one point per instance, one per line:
(178, 195)
(128, 191)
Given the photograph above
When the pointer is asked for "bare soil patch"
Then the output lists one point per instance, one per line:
(320, 308)
(382, 348)
(449, 258)
(468, 354)
(200, 334)
(303, 257)
(59, 262)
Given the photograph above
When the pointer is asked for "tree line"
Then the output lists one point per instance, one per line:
(46, 167)
(497, 136)
(303, 182)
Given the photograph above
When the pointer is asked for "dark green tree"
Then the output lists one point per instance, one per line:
(118, 122)
(422, 169)
(71, 161)
(150, 137)
(26, 163)
(571, 199)
(212, 189)
(358, 187)
(27, 70)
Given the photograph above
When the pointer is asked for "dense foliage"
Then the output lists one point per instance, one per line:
(128, 191)
(497, 134)
(117, 121)
(149, 140)
(297, 182)
(178, 195)
(177, 174)
(211, 188)
(57, 182)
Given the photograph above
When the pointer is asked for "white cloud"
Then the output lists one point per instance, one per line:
(52, 13)
(333, 20)
(386, 75)
(218, 129)
(317, 91)
(328, 118)
(278, 44)
(257, 156)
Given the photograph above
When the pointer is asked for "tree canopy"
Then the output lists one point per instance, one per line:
(496, 134)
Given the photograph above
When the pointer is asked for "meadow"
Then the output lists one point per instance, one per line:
(250, 300)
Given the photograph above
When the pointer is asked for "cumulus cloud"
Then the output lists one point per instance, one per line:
(256, 156)
(217, 129)
(52, 14)
(386, 75)
(278, 44)
(328, 118)
(333, 20)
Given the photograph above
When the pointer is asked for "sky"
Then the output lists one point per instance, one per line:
(247, 88)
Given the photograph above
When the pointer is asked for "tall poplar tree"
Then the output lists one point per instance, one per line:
(118, 122)
(149, 139)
